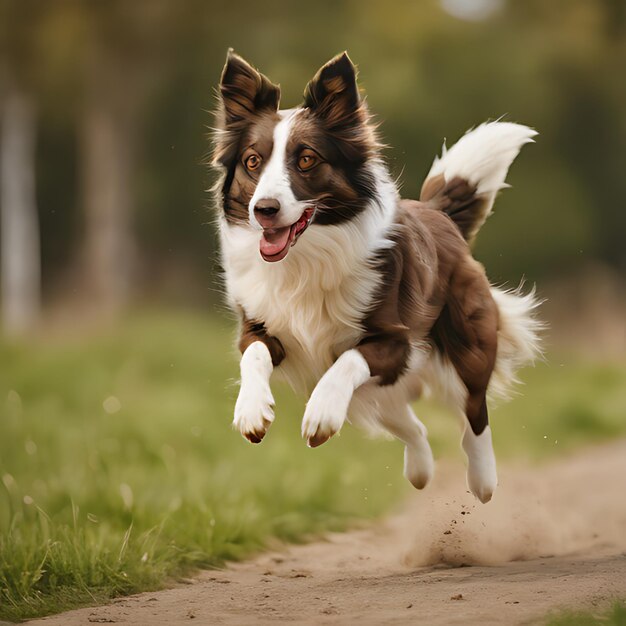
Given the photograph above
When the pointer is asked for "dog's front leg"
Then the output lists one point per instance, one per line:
(254, 410)
(383, 354)
(327, 408)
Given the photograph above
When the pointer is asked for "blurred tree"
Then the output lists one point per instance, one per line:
(120, 68)
(107, 151)
(21, 263)
(20, 223)
(122, 91)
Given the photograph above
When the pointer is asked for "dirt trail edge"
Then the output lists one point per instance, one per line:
(554, 536)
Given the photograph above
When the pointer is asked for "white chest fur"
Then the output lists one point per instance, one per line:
(315, 299)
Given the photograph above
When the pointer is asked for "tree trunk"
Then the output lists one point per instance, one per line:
(21, 263)
(107, 149)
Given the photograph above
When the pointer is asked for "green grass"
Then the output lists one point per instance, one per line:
(120, 470)
(615, 616)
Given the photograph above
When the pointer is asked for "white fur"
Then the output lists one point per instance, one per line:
(274, 180)
(327, 408)
(483, 157)
(482, 477)
(518, 338)
(442, 380)
(400, 420)
(254, 410)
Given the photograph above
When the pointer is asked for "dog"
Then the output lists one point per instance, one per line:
(357, 297)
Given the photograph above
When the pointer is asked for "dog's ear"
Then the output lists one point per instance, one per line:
(333, 92)
(245, 91)
(333, 97)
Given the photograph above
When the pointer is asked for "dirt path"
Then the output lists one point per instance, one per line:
(552, 537)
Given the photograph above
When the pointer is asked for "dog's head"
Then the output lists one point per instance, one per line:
(287, 169)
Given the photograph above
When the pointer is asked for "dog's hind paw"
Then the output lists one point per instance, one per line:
(419, 465)
(482, 482)
(482, 477)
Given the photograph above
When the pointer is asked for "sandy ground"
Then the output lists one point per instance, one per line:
(554, 536)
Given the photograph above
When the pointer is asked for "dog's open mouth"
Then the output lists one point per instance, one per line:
(275, 242)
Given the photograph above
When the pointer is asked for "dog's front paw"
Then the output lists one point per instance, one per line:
(325, 413)
(254, 411)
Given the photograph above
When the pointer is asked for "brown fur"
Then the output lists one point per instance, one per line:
(242, 183)
(251, 331)
(246, 117)
(245, 93)
(333, 184)
(433, 291)
(333, 97)
(458, 199)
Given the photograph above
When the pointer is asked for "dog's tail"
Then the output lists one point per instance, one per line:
(464, 181)
(519, 337)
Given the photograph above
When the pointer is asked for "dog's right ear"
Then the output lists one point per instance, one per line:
(245, 91)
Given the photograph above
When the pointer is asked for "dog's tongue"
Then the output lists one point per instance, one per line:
(274, 243)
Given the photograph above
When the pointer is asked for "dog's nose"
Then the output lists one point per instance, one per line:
(265, 211)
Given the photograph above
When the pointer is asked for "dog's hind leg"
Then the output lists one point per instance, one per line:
(466, 337)
(403, 424)
(482, 477)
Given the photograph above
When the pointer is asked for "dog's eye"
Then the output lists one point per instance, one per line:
(307, 160)
(252, 162)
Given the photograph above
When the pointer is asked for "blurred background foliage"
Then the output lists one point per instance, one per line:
(123, 93)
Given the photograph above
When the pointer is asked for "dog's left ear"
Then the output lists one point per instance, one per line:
(333, 92)
(333, 97)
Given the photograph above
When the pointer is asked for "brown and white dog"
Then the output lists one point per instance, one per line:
(358, 297)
